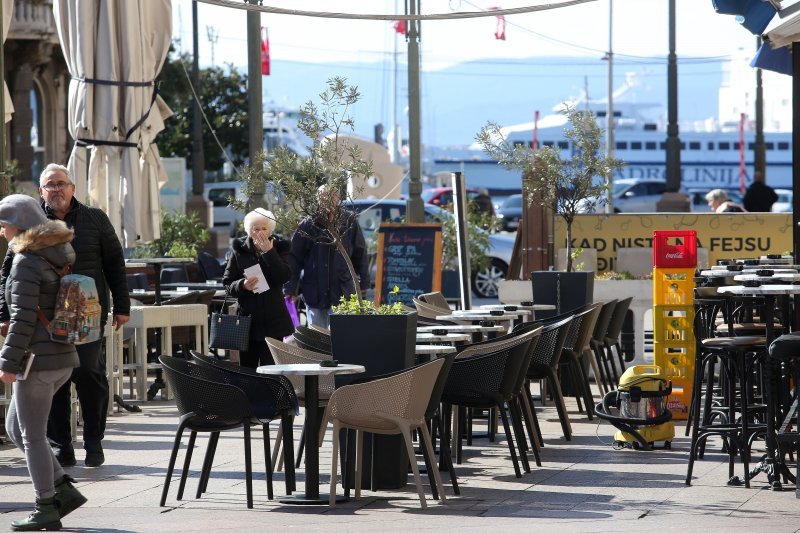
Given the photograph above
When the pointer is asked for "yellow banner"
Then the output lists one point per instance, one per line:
(726, 236)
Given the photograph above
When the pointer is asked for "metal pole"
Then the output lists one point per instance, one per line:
(673, 142)
(394, 151)
(254, 111)
(796, 152)
(460, 209)
(414, 209)
(610, 109)
(198, 159)
(759, 150)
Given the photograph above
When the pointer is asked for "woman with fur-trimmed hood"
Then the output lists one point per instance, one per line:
(41, 248)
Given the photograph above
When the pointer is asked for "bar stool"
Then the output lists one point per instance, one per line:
(737, 358)
(785, 350)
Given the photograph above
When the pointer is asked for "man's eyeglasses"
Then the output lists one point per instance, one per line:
(60, 186)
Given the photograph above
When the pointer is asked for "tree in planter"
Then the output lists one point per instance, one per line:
(566, 186)
(313, 187)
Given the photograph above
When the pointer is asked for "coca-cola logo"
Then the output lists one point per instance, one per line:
(676, 255)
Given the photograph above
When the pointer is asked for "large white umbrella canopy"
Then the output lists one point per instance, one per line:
(114, 50)
(8, 9)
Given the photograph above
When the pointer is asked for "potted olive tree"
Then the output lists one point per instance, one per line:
(566, 185)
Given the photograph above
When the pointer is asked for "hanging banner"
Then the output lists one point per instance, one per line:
(726, 236)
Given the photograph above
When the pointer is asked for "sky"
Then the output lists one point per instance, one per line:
(640, 29)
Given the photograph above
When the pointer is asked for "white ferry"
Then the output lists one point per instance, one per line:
(710, 155)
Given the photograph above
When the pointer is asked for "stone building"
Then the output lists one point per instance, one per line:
(37, 77)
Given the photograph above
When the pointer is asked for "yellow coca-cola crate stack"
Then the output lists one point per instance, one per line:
(674, 264)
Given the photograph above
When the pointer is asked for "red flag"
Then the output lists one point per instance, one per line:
(264, 51)
(500, 30)
(400, 26)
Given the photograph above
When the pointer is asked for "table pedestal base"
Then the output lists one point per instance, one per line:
(299, 498)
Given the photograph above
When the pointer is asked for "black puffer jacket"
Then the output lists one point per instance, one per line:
(324, 271)
(98, 254)
(267, 309)
(33, 282)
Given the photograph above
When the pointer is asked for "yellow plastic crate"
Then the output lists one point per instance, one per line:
(677, 361)
(673, 286)
(673, 323)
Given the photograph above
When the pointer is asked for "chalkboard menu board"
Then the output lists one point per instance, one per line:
(409, 257)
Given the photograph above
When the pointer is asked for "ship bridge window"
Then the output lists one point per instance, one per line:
(683, 145)
(694, 145)
(563, 145)
(783, 146)
(662, 146)
(650, 145)
(636, 145)
(735, 146)
(548, 143)
(710, 146)
(725, 145)
(770, 146)
(751, 146)
(622, 145)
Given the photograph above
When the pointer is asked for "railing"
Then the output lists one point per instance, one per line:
(33, 19)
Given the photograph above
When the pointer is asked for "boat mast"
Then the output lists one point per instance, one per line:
(394, 151)
(610, 108)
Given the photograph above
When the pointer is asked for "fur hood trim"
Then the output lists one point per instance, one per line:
(51, 233)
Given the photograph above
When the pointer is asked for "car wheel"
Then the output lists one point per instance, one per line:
(485, 282)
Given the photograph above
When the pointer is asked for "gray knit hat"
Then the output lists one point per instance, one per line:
(21, 211)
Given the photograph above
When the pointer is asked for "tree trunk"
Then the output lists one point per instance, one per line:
(347, 261)
(569, 246)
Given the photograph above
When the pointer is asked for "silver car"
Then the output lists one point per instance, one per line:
(484, 282)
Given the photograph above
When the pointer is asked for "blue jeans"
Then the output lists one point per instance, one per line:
(319, 317)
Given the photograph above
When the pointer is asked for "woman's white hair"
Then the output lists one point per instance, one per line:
(717, 195)
(257, 215)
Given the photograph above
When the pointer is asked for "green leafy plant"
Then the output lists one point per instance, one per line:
(295, 182)
(477, 240)
(355, 306)
(182, 235)
(565, 185)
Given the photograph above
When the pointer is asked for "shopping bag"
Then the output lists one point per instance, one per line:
(230, 332)
(292, 308)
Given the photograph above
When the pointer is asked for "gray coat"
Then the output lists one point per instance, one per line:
(31, 283)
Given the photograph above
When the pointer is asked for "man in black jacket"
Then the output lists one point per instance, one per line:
(98, 254)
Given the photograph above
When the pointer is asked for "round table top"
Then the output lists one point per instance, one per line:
(309, 370)
(431, 349)
(476, 316)
(763, 289)
(720, 273)
(465, 328)
(157, 260)
(471, 312)
(447, 337)
(534, 307)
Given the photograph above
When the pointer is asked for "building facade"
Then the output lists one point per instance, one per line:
(38, 79)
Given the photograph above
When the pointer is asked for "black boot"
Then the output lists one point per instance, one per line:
(44, 516)
(94, 453)
(67, 496)
(65, 455)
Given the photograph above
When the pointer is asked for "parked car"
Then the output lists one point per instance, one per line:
(631, 195)
(784, 203)
(219, 193)
(484, 282)
(510, 212)
(442, 196)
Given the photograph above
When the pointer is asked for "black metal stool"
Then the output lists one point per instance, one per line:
(785, 351)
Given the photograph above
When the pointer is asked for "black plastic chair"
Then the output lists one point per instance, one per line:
(310, 339)
(614, 333)
(208, 406)
(487, 381)
(273, 396)
(544, 365)
(209, 266)
(598, 345)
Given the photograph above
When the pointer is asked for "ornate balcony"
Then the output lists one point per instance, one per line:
(33, 19)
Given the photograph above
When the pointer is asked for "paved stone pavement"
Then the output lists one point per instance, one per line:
(583, 485)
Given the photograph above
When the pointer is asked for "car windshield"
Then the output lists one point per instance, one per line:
(619, 188)
(513, 201)
(427, 194)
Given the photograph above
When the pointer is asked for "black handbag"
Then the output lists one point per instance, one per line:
(230, 332)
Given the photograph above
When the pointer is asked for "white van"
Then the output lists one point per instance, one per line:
(219, 193)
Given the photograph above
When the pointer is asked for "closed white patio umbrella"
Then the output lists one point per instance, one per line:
(114, 50)
(8, 10)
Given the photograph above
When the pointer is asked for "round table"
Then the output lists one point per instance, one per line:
(461, 328)
(312, 373)
(782, 277)
(447, 337)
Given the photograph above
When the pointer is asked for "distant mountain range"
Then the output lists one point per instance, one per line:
(458, 100)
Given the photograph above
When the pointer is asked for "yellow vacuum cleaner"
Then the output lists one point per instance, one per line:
(640, 402)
